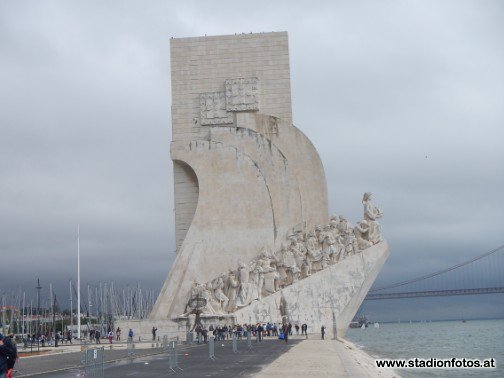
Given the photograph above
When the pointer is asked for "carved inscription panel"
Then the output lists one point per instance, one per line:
(213, 109)
(242, 94)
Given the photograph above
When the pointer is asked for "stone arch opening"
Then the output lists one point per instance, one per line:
(186, 190)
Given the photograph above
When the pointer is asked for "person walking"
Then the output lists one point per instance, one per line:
(97, 337)
(322, 331)
(285, 330)
(110, 336)
(304, 330)
(130, 335)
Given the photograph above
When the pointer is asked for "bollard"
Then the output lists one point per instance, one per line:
(189, 338)
(249, 340)
(235, 344)
(211, 349)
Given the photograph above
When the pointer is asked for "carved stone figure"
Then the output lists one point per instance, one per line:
(371, 214)
(201, 301)
(233, 286)
(347, 237)
(301, 257)
(270, 276)
(245, 291)
(218, 288)
(291, 269)
(192, 303)
(255, 278)
(296, 259)
(314, 253)
(327, 240)
(212, 307)
(318, 231)
(334, 218)
(361, 232)
(336, 247)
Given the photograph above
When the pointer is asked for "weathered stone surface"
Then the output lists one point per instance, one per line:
(238, 189)
(250, 191)
(334, 293)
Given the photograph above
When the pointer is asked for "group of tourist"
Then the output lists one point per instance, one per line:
(48, 338)
(259, 331)
(95, 334)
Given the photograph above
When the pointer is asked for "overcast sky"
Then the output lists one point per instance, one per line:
(401, 98)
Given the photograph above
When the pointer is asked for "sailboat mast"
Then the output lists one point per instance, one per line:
(78, 287)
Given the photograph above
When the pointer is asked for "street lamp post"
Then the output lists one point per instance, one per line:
(37, 325)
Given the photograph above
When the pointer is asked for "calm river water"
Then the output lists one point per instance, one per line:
(474, 339)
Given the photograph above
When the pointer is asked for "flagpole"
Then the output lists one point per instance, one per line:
(78, 287)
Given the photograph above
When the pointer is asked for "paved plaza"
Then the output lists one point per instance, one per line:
(193, 359)
(298, 358)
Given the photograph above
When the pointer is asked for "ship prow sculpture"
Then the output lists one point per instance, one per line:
(254, 239)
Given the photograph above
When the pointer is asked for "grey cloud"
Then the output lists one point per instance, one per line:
(400, 98)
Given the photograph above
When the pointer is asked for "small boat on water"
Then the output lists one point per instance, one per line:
(361, 323)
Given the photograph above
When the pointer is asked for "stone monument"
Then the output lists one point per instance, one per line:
(253, 235)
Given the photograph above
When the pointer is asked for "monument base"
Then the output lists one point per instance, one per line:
(330, 298)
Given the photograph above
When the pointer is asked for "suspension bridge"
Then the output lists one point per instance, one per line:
(483, 274)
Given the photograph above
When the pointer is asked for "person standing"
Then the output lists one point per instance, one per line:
(260, 331)
(7, 356)
(97, 337)
(322, 331)
(154, 329)
(130, 335)
(118, 334)
(110, 336)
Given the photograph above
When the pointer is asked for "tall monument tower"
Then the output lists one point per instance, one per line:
(254, 239)
(244, 176)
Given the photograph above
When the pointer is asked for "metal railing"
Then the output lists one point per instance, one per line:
(173, 356)
(94, 361)
(130, 347)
